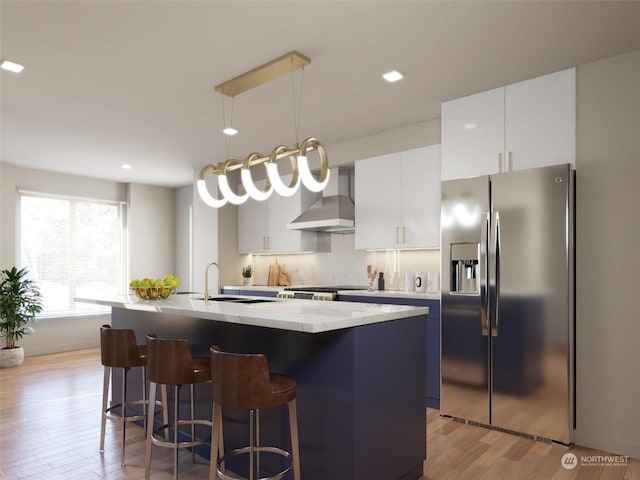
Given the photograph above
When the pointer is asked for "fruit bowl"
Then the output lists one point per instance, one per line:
(154, 289)
(154, 293)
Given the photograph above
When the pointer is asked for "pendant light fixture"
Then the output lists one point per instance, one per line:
(300, 170)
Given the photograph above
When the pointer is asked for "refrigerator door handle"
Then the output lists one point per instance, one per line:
(484, 263)
(496, 274)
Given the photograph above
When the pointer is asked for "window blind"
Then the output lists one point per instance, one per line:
(73, 248)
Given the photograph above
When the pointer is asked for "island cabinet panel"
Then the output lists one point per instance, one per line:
(432, 337)
(360, 390)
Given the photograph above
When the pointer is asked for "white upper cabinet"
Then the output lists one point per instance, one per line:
(262, 226)
(398, 200)
(377, 200)
(540, 121)
(472, 135)
(421, 197)
(525, 125)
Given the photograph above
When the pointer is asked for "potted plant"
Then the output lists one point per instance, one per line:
(247, 273)
(20, 302)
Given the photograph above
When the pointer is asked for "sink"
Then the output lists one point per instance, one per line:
(221, 299)
(254, 300)
(238, 300)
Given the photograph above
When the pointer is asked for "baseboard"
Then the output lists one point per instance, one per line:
(601, 442)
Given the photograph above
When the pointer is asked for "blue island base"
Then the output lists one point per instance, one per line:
(361, 390)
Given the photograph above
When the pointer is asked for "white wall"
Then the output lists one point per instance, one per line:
(151, 241)
(607, 255)
(346, 266)
(343, 265)
(182, 235)
(204, 241)
(151, 231)
(405, 138)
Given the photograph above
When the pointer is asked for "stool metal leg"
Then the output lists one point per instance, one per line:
(147, 461)
(258, 441)
(124, 412)
(217, 442)
(251, 442)
(295, 448)
(165, 409)
(176, 430)
(105, 397)
(193, 427)
(144, 398)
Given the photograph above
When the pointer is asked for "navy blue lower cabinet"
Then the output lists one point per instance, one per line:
(433, 337)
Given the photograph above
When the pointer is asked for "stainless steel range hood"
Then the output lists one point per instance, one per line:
(334, 212)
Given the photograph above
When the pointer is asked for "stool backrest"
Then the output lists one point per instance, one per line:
(118, 348)
(169, 361)
(240, 380)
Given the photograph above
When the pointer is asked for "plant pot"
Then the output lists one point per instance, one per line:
(246, 281)
(11, 357)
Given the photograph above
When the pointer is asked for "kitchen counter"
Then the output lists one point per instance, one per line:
(390, 294)
(360, 370)
(248, 290)
(295, 315)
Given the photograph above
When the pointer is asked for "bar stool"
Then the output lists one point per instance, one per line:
(243, 381)
(118, 349)
(169, 362)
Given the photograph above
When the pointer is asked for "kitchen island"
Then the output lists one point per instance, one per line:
(360, 370)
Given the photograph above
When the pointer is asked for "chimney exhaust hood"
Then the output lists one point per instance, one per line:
(334, 212)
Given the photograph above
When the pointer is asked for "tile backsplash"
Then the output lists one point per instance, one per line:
(346, 266)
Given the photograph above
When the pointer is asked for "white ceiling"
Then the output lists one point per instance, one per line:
(109, 82)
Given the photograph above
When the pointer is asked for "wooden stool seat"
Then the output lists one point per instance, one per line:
(119, 349)
(169, 362)
(243, 381)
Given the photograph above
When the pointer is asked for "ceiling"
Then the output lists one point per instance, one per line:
(111, 82)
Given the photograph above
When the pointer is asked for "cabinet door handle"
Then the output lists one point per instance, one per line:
(404, 239)
(397, 235)
(499, 163)
(509, 162)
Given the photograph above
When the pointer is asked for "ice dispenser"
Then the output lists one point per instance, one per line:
(464, 268)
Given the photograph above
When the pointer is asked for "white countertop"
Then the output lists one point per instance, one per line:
(360, 293)
(391, 294)
(287, 314)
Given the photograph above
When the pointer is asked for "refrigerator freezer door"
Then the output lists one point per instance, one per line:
(465, 344)
(531, 352)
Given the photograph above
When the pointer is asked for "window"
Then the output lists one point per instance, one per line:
(73, 248)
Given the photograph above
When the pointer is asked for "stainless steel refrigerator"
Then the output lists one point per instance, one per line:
(507, 301)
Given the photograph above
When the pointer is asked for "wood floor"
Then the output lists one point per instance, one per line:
(50, 426)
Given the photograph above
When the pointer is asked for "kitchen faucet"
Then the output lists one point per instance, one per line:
(206, 280)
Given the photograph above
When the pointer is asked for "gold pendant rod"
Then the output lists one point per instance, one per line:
(256, 160)
(264, 73)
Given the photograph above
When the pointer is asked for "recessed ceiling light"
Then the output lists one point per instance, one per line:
(11, 66)
(393, 76)
(229, 131)
(126, 166)
(470, 126)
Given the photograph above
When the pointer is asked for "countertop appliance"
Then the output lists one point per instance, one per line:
(326, 293)
(507, 301)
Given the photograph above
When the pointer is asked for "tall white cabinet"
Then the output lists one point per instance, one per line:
(262, 226)
(397, 200)
(524, 125)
